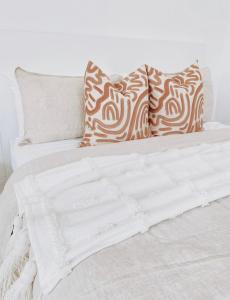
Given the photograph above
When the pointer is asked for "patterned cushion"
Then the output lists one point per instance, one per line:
(115, 112)
(175, 101)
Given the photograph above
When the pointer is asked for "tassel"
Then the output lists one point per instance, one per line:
(17, 226)
(22, 289)
(17, 255)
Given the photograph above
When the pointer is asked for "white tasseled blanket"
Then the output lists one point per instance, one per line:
(73, 211)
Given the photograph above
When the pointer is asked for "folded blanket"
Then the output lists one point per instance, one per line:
(73, 211)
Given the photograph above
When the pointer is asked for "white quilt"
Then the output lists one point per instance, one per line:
(73, 211)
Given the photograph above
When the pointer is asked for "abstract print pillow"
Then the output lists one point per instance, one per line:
(115, 112)
(176, 101)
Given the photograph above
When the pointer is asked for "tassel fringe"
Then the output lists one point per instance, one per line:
(18, 269)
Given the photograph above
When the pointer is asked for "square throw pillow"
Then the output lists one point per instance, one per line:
(52, 106)
(176, 101)
(115, 112)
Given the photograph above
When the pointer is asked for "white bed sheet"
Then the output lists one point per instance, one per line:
(26, 153)
(23, 154)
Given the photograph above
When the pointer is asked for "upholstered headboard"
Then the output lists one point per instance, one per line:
(68, 54)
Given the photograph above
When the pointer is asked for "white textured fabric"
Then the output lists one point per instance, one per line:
(18, 270)
(73, 211)
(52, 106)
(184, 258)
(8, 204)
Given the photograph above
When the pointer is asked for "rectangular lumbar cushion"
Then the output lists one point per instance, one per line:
(52, 106)
(115, 112)
(176, 101)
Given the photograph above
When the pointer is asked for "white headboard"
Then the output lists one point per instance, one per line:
(52, 53)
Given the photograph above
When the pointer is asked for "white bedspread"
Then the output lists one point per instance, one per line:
(74, 211)
(184, 258)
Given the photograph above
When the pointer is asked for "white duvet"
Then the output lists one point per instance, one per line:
(73, 211)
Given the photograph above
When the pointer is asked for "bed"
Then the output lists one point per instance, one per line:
(141, 219)
(186, 257)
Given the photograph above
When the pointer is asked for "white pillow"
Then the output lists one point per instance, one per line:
(209, 101)
(52, 107)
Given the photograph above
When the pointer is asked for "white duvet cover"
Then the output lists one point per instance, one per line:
(71, 212)
(184, 258)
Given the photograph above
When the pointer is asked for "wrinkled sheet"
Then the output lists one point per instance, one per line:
(26, 153)
(183, 258)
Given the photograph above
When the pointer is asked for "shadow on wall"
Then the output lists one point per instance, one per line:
(3, 176)
(223, 92)
(8, 124)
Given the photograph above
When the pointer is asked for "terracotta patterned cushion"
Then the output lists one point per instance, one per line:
(115, 112)
(175, 101)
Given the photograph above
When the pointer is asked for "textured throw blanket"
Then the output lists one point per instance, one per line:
(71, 212)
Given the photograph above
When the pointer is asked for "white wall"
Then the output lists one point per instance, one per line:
(58, 36)
(223, 85)
(182, 20)
(165, 19)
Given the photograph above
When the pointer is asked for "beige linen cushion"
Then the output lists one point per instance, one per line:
(52, 106)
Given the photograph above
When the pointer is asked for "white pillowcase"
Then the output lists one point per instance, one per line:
(52, 107)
